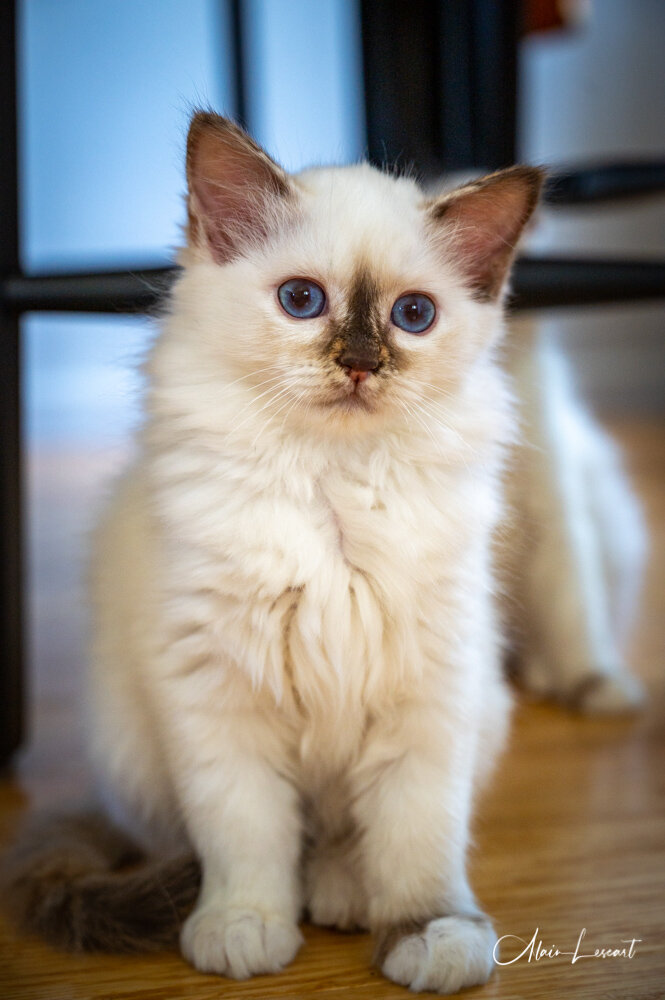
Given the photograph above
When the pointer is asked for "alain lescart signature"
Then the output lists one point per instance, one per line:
(534, 950)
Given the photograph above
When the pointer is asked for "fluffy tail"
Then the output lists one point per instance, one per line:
(83, 885)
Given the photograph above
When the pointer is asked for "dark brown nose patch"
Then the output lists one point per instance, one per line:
(359, 363)
(359, 341)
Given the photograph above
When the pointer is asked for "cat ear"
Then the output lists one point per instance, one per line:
(482, 223)
(235, 189)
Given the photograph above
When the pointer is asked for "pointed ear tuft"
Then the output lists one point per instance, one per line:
(482, 222)
(234, 187)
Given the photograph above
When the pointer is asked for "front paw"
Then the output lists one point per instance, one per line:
(594, 690)
(608, 694)
(238, 942)
(443, 955)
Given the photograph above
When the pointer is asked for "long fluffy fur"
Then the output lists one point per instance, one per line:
(83, 885)
(296, 672)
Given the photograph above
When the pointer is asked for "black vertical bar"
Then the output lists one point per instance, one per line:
(456, 125)
(478, 99)
(11, 612)
(496, 26)
(238, 41)
(440, 82)
(399, 42)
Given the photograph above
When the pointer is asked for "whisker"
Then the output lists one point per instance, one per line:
(423, 424)
(293, 401)
(465, 446)
(281, 392)
(424, 412)
(257, 371)
(440, 391)
(301, 395)
(217, 378)
(428, 407)
(269, 382)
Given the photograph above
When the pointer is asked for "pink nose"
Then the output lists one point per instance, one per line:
(357, 375)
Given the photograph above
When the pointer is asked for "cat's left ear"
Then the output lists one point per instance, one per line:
(237, 193)
(480, 225)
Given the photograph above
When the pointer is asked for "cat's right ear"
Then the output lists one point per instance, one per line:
(236, 191)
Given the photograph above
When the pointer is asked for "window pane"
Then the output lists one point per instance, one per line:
(81, 398)
(304, 80)
(81, 383)
(105, 93)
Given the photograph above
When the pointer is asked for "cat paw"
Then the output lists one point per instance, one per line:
(335, 896)
(444, 955)
(589, 690)
(238, 943)
(609, 694)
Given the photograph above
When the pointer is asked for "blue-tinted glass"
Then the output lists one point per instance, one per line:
(81, 384)
(304, 80)
(106, 89)
(80, 399)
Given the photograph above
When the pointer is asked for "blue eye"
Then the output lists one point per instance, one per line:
(301, 298)
(414, 313)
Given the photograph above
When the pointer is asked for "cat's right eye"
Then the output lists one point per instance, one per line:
(301, 298)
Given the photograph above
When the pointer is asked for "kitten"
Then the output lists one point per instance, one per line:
(297, 664)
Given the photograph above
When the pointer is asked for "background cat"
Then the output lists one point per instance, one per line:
(575, 546)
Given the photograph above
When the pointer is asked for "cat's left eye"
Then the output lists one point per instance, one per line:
(301, 298)
(414, 313)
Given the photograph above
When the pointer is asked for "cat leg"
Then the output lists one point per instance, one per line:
(245, 921)
(413, 808)
(579, 542)
(243, 818)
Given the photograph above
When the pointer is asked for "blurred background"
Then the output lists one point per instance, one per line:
(105, 91)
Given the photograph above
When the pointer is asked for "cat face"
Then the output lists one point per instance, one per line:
(343, 295)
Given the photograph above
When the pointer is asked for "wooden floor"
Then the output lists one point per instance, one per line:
(572, 837)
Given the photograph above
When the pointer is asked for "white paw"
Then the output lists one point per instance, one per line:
(596, 691)
(447, 955)
(238, 943)
(611, 694)
(335, 895)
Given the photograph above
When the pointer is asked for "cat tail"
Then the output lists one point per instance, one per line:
(83, 885)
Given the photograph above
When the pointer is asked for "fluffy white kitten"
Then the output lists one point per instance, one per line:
(297, 667)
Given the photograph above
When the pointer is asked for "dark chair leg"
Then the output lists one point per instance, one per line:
(441, 82)
(11, 610)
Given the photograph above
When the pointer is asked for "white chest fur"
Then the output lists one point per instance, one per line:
(327, 583)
